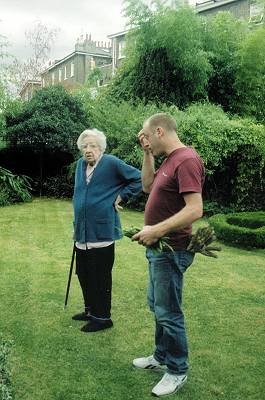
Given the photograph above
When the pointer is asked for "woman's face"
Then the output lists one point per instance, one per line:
(90, 149)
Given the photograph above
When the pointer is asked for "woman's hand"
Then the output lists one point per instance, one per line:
(117, 202)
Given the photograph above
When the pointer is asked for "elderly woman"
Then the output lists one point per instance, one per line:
(102, 181)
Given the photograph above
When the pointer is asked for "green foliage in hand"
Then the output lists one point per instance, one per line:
(160, 245)
(201, 240)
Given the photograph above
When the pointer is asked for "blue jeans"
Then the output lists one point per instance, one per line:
(164, 298)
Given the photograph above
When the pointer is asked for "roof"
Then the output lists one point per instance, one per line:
(122, 33)
(30, 82)
(58, 62)
(211, 4)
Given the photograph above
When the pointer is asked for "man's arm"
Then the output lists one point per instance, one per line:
(148, 167)
(148, 171)
(192, 211)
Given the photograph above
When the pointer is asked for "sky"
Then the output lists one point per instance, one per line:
(72, 17)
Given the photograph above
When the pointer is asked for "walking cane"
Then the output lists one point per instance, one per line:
(70, 276)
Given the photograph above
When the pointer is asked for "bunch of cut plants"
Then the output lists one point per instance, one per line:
(199, 242)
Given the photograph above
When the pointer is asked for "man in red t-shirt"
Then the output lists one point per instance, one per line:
(174, 203)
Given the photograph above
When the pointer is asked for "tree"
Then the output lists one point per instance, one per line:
(40, 39)
(94, 77)
(223, 36)
(52, 120)
(250, 75)
(165, 56)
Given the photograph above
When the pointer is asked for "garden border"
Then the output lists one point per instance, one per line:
(245, 229)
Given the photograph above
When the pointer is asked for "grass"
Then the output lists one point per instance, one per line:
(52, 360)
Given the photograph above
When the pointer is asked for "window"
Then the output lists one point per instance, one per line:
(43, 82)
(121, 48)
(65, 72)
(72, 69)
(53, 78)
(60, 75)
(92, 63)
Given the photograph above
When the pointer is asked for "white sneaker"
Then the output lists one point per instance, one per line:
(169, 384)
(148, 363)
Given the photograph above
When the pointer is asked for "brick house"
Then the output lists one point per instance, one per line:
(239, 8)
(72, 70)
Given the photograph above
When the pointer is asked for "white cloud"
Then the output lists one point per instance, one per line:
(73, 18)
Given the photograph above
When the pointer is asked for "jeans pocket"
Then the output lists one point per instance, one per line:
(183, 260)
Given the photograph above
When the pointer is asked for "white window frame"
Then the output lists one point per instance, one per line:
(121, 49)
(60, 75)
(72, 69)
(65, 72)
(53, 78)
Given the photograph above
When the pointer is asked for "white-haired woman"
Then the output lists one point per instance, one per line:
(102, 181)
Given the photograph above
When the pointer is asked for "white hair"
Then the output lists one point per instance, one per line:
(100, 138)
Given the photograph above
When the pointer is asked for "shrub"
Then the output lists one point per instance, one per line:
(233, 149)
(58, 186)
(5, 382)
(13, 188)
(61, 185)
(213, 207)
(245, 229)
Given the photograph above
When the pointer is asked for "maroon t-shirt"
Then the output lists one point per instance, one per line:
(181, 172)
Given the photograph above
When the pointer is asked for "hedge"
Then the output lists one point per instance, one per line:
(5, 377)
(245, 229)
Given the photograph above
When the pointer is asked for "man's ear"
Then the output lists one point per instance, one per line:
(160, 131)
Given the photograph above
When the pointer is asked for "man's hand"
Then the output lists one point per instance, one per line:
(147, 236)
(117, 202)
(143, 141)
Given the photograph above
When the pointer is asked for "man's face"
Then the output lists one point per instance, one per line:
(151, 139)
(91, 150)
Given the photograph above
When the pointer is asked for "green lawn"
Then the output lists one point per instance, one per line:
(52, 360)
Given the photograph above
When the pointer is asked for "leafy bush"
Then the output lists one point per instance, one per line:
(233, 148)
(14, 188)
(224, 34)
(52, 120)
(62, 185)
(250, 82)
(165, 56)
(242, 229)
(58, 186)
(5, 382)
(213, 207)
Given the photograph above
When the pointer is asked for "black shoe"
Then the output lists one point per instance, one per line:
(94, 326)
(81, 317)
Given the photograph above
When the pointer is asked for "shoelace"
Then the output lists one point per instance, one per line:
(169, 377)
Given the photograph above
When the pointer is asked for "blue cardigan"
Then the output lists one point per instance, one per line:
(95, 217)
